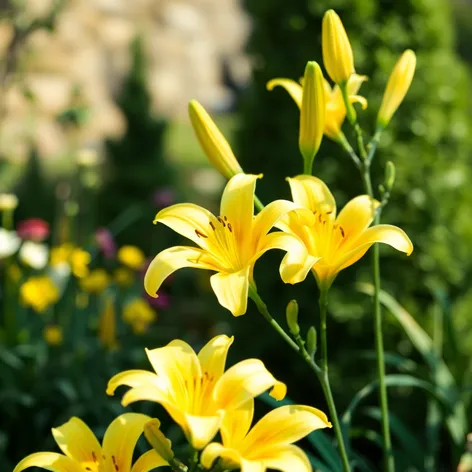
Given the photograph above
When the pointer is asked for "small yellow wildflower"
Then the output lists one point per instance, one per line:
(124, 277)
(76, 259)
(95, 282)
(132, 257)
(8, 201)
(53, 335)
(139, 315)
(39, 293)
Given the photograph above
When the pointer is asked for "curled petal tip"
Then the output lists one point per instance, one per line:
(278, 391)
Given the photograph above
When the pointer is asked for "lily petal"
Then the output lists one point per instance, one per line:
(212, 356)
(120, 440)
(285, 425)
(312, 193)
(189, 220)
(232, 290)
(236, 424)
(295, 90)
(245, 380)
(77, 441)
(387, 234)
(172, 259)
(237, 204)
(354, 83)
(49, 461)
(148, 461)
(356, 215)
(287, 459)
(215, 450)
(202, 429)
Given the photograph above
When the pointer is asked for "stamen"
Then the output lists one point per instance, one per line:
(319, 218)
(212, 226)
(200, 234)
(226, 218)
(230, 228)
(94, 456)
(329, 212)
(342, 231)
(114, 463)
(221, 220)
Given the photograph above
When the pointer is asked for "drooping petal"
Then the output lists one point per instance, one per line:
(237, 204)
(271, 214)
(312, 193)
(354, 83)
(245, 380)
(232, 289)
(212, 356)
(236, 424)
(387, 234)
(359, 99)
(202, 429)
(287, 459)
(295, 90)
(189, 220)
(172, 259)
(296, 263)
(148, 461)
(357, 215)
(49, 461)
(77, 441)
(177, 365)
(120, 440)
(285, 425)
(215, 450)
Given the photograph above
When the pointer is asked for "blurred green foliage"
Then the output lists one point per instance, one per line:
(428, 140)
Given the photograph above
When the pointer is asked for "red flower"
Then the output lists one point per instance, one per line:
(34, 229)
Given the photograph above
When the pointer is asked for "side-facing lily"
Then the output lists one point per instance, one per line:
(195, 389)
(229, 244)
(269, 444)
(338, 240)
(335, 108)
(83, 452)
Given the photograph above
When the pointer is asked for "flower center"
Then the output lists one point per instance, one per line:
(325, 236)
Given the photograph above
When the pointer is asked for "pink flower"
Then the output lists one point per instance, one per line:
(34, 229)
(164, 197)
(162, 302)
(106, 243)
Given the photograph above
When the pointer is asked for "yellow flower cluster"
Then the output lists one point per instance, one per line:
(39, 293)
(95, 282)
(75, 258)
(132, 257)
(53, 335)
(139, 315)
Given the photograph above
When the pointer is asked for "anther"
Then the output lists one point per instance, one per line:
(230, 228)
(221, 220)
(200, 234)
(114, 463)
(226, 218)
(94, 456)
(212, 226)
(319, 217)
(329, 212)
(342, 231)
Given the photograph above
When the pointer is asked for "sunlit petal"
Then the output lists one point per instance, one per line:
(312, 193)
(237, 204)
(232, 289)
(285, 425)
(120, 440)
(77, 441)
(236, 424)
(295, 90)
(215, 450)
(287, 459)
(212, 356)
(172, 259)
(202, 429)
(189, 220)
(357, 215)
(354, 83)
(49, 461)
(244, 381)
(148, 461)
(148, 384)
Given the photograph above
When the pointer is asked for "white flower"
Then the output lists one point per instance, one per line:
(34, 254)
(9, 243)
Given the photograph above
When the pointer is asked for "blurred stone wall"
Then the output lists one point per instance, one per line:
(84, 60)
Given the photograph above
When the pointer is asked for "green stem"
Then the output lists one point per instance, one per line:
(344, 143)
(259, 205)
(193, 461)
(322, 374)
(323, 303)
(307, 166)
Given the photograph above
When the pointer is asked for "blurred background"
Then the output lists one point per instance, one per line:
(95, 139)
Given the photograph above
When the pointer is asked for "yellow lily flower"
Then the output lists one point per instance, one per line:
(229, 244)
(269, 444)
(195, 389)
(335, 108)
(338, 241)
(82, 451)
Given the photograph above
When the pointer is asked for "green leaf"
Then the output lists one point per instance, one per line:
(392, 359)
(456, 420)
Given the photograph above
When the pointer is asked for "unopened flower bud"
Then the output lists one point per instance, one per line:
(389, 175)
(157, 440)
(292, 317)
(312, 113)
(337, 51)
(397, 87)
(213, 142)
(311, 341)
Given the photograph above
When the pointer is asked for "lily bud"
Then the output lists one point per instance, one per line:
(312, 113)
(213, 142)
(337, 51)
(397, 87)
(157, 440)
(389, 175)
(311, 341)
(291, 314)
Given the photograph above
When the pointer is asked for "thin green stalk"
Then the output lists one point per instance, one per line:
(307, 167)
(323, 303)
(259, 205)
(322, 374)
(193, 461)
